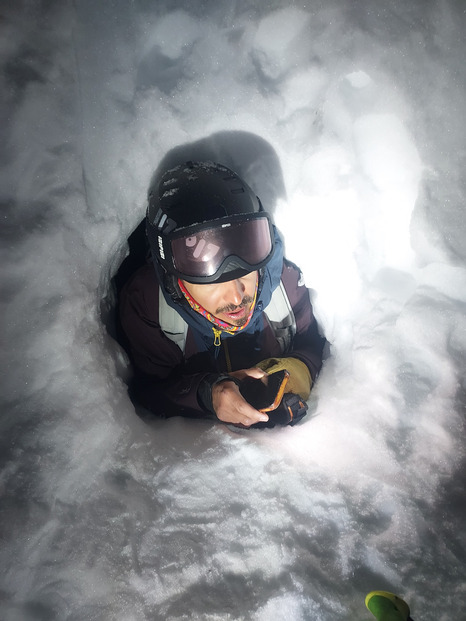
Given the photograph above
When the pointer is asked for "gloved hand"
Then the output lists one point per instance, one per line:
(300, 381)
(290, 411)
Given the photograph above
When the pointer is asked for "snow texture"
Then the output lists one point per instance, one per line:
(347, 118)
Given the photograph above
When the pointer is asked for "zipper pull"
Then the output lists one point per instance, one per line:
(217, 337)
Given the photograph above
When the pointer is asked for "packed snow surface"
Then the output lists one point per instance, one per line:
(348, 120)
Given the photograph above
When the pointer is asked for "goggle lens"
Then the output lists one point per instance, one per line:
(202, 253)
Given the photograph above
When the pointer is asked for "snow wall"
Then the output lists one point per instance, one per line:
(347, 118)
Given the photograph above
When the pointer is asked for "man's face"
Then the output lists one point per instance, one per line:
(228, 301)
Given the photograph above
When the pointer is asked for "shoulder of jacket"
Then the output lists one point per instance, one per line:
(143, 279)
(292, 275)
(140, 294)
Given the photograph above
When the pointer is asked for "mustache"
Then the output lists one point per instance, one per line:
(231, 308)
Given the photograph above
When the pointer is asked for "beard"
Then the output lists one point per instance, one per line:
(239, 323)
(231, 308)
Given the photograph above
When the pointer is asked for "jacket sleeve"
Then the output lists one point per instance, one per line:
(161, 383)
(308, 344)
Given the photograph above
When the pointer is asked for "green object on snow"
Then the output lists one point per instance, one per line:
(387, 606)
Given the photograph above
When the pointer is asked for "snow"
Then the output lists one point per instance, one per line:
(348, 121)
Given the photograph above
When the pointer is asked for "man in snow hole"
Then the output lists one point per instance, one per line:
(222, 311)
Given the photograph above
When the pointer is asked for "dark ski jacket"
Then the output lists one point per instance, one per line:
(167, 381)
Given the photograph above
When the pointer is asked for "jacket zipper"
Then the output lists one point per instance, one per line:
(217, 337)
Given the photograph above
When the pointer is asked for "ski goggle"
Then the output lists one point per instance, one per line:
(231, 248)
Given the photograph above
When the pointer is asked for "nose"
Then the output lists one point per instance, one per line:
(234, 292)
